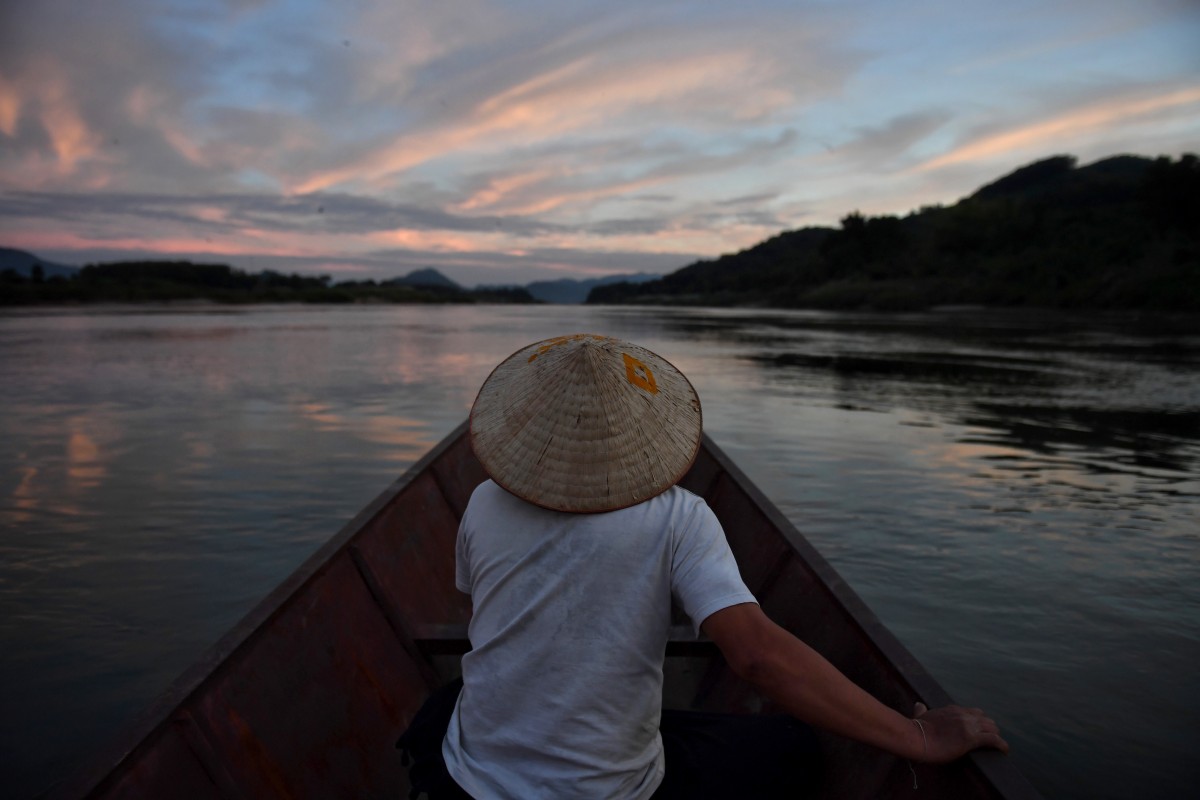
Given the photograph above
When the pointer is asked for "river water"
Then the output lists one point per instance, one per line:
(1016, 495)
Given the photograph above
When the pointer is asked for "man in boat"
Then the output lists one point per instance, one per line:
(574, 554)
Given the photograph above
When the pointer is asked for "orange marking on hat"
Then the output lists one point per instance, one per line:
(639, 374)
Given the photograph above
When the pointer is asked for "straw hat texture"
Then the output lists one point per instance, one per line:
(586, 423)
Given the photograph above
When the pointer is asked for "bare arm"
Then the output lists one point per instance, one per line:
(810, 688)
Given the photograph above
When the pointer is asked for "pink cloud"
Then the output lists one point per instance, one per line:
(57, 240)
(439, 241)
(551, 201)
(10, 107)
(500, 187)
(1051, 134)
(68, 132)
(44, 92)
(582, 95)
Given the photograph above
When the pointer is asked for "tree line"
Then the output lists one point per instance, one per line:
(173, 281)
(1122, 233)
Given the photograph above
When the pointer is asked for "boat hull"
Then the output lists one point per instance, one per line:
(305, 697)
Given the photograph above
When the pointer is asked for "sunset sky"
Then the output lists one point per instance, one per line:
(515, 140)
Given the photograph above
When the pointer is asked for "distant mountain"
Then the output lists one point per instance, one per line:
(569, 290)
(22, 263)
(425, 277)
(1121, 233)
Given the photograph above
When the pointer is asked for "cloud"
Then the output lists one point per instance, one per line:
(10, 107)
(1054, 132)
(588, 175)
(626, 76)
(216, 214)
(103, 98)
(892, 141)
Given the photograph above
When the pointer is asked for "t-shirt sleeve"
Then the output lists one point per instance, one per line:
(704, 574)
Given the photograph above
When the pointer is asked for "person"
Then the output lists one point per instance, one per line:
(574, 553)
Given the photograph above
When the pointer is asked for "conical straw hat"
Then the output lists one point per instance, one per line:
(585, 423)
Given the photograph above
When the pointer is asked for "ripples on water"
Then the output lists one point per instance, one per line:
(1015, 495)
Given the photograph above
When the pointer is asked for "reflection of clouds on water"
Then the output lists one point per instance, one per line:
(962, 461)
(406, 438)
(85, 468)
(321, 415)
(24, 496)
(715, 378)
(1105, 400)
(1071, 480)
(416, 362)
(199, 447)
(70, 457)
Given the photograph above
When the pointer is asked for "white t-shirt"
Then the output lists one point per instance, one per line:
(563, 687)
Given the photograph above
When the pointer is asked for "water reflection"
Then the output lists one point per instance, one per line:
(1139, 439)
(85, 469)
(405, 438)
(24, 497)
(923, 367)
(953, 370)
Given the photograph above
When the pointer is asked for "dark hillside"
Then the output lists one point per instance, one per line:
(1120, 233)
(426, 277)
(745, 277)
(23, 264)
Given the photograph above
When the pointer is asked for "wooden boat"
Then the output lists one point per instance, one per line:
(306, 696)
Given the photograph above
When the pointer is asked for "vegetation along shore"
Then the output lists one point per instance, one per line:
(1121, 233)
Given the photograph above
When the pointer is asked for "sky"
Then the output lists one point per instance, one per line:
(507, 141)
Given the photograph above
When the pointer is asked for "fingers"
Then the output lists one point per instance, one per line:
(958, 730)
(987, 731)
(990, 733)
(994, 740)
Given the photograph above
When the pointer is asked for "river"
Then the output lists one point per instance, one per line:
(1015, 494)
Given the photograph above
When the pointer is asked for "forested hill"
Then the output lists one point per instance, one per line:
(174, 281)
(1122, 233)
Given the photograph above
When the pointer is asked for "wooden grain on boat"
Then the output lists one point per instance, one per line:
(305, 697)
